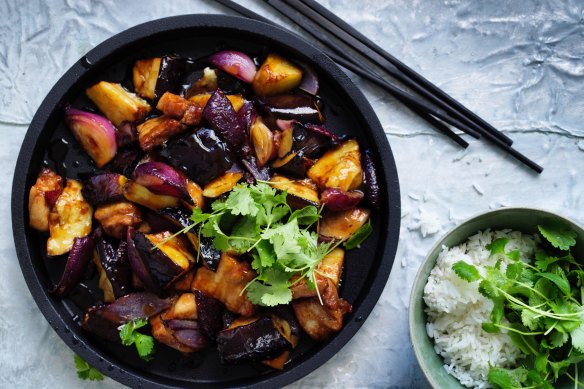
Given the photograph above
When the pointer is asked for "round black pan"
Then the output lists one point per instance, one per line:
(49, 143)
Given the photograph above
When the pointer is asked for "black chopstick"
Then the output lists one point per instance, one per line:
(419, 107)
(353, 38)
(497, 140)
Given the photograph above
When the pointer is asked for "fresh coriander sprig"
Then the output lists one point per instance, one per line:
(129, 336)
(542, 304)
(85, 371)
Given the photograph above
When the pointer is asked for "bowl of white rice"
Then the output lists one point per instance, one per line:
(446, 312)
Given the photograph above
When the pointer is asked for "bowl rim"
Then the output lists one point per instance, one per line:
(389, 236)
(414, 299)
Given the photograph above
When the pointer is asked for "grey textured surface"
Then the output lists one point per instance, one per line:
(519, 64)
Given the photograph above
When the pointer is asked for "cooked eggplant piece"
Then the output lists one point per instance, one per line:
(293, 164)
(227, 283)
(154, 132)
(167, 257)
(161, 179)
(117, 104)
(301, 108)
(235, 63)
(139, 194)
(126, 134)
(320, 322)
(290, 329)
(209, 314)
(312, 143)
(186, 112)
(309, 83)
(338, 168)
(201, 99)
(331, 265)
(206, 81)
(202, 156)
(222, 184)
(70, 218)
(255, 341)
(104, 321)
(262, 140)
(246, 115)
(221, 115)
(301, 193)
(103, 282)
(95, 134)
(251, 165)
(114, 261)
(104, 188)
(183, 284)
(169, 75)
(342, 225)
(286, 139)
(125, 161)
(339, 200)
(140, 268)
(276, 76)
(116, 218)
(39, 204)
(76, 265)
(370, 181)
(195, 193)
(145, 75)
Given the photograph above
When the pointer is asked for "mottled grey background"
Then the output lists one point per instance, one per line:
(517, 63)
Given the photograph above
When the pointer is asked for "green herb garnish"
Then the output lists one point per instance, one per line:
(144, 343)
(257, 220)
(359, 236)
(543, 307)
(85, 371)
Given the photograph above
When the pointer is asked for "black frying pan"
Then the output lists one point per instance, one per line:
(49, 143)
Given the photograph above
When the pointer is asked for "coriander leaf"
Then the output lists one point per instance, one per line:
(559, 368)
(526, 344)
(198, 216)
(359, 236)
(487, 289)
(266, 254)
(542, 264)
(244, 234)
(507, 378)
(273, 291)
(306, 216)
(129, 336)
(514, 270)
(490, 328)
(514, 255)
(578, 338)
(557, 339)
(498, 311)
(541, 362)
(530, 319)
(560, 235)
(240, 201)
(465, 271)
(498, 246)
(85, 371)
(560, 282)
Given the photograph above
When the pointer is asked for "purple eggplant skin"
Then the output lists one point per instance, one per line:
(170, 75)
(312, 144)
(103, 188)
(138, 265)
(370, 180)
(202, 156)
(209, 254)
(105, 320)
(77, 261)
(287, 313)
(126, 134)
(162, 268)
(297, 107)
(125, 161)
(246, 115)
(227, 318)
(296, 167)
(251, 165)
(339, 200)
(252, 342)
(322, 130)
(220, 114)
(209, 314)
(114, 261)
(309, 83)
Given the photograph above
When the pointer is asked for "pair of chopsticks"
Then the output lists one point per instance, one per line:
(431, 103)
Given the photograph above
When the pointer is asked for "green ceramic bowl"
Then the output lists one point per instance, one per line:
(520, 219)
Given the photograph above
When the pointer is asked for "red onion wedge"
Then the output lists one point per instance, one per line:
(95, 133)
(161, 178)
(338, 200)
(236, 63)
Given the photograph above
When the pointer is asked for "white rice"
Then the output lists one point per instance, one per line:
(456, 310)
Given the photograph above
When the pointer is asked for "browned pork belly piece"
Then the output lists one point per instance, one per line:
(117, 217)
(343, 224)
(185, 111)
(154, 132)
